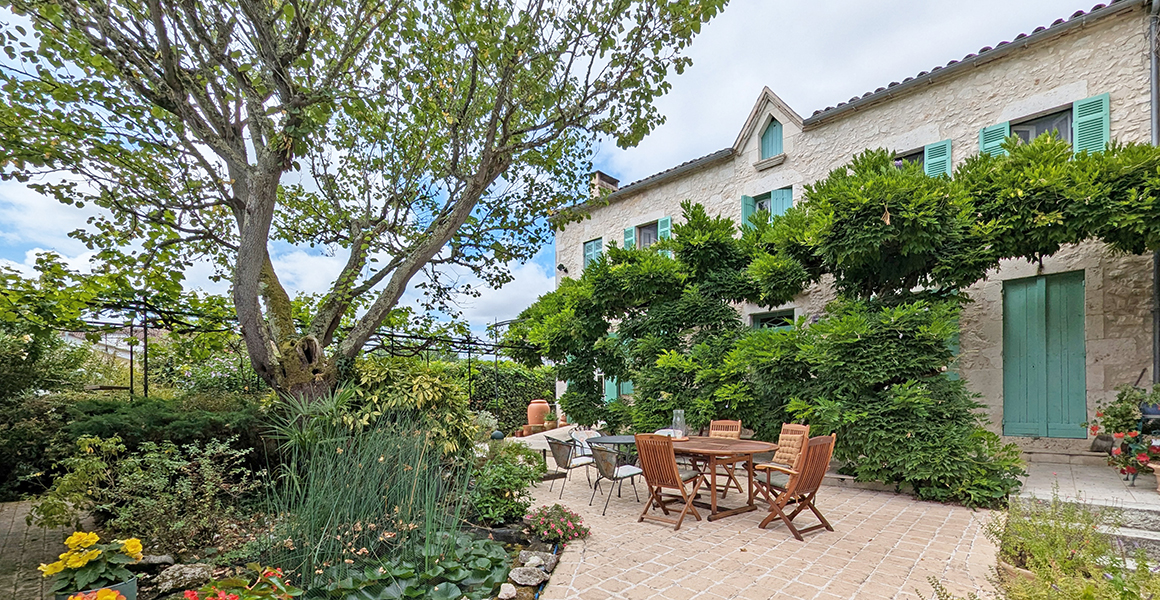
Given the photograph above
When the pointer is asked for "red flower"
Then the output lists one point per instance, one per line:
(1131, 470)
(190, 595)
(1133, 434)
(1095, 429)
(1099, 414)
(1142, 457)
(1119, 435)
(1117, 451)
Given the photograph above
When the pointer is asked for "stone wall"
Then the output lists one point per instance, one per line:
(1109, 55)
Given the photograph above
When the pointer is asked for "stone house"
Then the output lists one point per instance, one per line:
(1042, 343)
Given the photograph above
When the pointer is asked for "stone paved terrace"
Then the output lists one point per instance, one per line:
(885, 545)
(22, 548)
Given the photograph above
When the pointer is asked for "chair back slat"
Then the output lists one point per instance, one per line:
(561, 452)
(657, 460)
(790, 443)
(725, 429)
(812, 467)
(606, 461)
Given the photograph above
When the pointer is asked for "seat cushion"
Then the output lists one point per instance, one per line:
(789, 447)
(580, 461)
(625, 471)
(777, 479)
(687, 474)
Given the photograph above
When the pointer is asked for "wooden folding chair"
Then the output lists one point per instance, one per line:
(802, 487)
(730, 430)
(789, 448)
(659, 463)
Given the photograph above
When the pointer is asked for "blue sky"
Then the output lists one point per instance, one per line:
(812, 54)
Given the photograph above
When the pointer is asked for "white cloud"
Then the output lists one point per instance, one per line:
(813, 55)
(27, 217)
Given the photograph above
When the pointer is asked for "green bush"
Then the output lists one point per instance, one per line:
(874, 375)
(38, 360)
(177, 499)
(501, 480)
(505, 391)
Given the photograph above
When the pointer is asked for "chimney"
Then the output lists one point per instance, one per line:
(603, 184)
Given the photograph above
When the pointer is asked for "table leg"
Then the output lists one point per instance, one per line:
(749, 473)
(713, 486)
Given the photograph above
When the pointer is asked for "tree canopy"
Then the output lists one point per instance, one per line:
(404, 136)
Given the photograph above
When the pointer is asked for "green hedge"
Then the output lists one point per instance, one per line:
(504, 391)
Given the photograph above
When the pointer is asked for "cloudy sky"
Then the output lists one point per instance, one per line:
(812, 54)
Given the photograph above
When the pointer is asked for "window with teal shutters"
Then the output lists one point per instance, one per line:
(611, 389)
(780, 201)
(1091, 123)
(748, 207)
(771, 140)
(664, 232)
(629, 237)
(936, 158)
(991, 138)
(592, 250)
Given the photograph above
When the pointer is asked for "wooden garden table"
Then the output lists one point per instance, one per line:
(719, 451)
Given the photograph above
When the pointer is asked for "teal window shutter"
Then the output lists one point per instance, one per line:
(991, 138)
(611, 390)
(780, 201)
(771, 140)
(748, 207)
(626, 388)
(629, 237)
(1091, 123)
(592, 250)
(664, 232)
(936, 158)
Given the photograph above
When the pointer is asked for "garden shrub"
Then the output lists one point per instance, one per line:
(874, 375)
(505, 391)
(404, 388)
(178, 498)
(31, 442)
(556, 525)
(32, 360)
(501, 480)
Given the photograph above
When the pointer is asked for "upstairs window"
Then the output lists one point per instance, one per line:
(592, 250)
(915, 157)
(771, 140)
(1057, 123)
(647, 234)
(773, 203)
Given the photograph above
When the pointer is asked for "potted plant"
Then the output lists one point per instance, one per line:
(90, 568)
(550, 420)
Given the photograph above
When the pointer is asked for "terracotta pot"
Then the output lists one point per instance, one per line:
(527, 430)
(1156, 472)
(536, 410)
(551, 424)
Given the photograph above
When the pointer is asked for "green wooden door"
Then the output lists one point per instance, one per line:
(1044, 384)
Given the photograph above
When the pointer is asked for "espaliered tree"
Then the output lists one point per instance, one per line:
(403, 135)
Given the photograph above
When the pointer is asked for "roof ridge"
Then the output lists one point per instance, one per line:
(1039, 32)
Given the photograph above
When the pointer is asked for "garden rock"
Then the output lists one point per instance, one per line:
(534, 561)
(507, 591)
(549, 559)
(528, 576)
(182, 577)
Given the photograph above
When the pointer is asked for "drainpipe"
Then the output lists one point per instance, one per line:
(1154, 59)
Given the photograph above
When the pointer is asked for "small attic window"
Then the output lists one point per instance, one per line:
(771, 140)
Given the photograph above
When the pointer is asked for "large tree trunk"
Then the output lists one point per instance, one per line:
(289, 362)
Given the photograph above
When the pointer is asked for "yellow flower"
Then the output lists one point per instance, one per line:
(132, 547)
(51, 568)
(79, 560)
(80, 539)
(107, 594)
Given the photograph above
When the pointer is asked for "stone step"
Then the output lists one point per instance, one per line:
(1133, 538)
(1065, 457)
